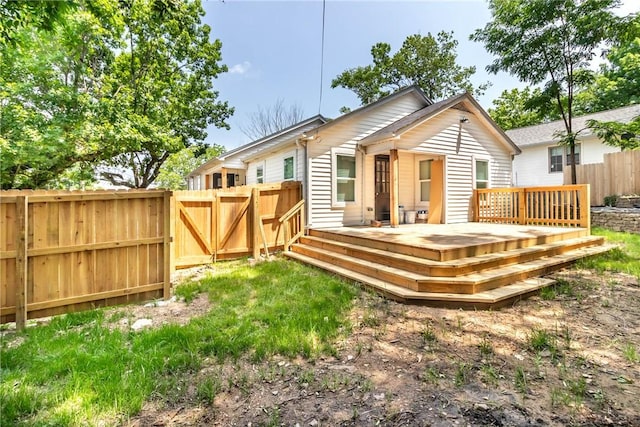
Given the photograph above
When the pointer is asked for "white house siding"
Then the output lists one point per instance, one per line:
(439, 136)
(345, 135)
(531, 167)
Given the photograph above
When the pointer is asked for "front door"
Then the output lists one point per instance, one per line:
(382, 186)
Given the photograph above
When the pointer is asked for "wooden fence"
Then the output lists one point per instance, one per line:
(566, 205)
(619, 174)
(68, 251)
(209, 225)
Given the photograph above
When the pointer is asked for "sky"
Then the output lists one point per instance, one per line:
(273, 50)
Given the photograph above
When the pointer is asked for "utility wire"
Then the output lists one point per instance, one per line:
(324, 4)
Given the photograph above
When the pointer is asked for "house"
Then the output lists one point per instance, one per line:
(400, 151)
(542, 160)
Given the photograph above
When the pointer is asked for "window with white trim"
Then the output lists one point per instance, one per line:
(424, 179)
(344, 178)
(482, 174)
(288, 168)
(260, 174)
(555, 159)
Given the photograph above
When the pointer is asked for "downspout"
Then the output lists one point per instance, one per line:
(363, 153)
(305, 181)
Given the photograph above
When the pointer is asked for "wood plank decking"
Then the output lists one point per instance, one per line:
(473, 265)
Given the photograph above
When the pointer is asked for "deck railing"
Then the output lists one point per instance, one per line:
(566, 205)
(294, 224)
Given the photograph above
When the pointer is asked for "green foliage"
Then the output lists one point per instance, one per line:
(610, 200)
(80, 370)
(174, 170)
(623, 135)
(624, 259)
(426, 61)
(515, 108)
(550, 42)
(117, 84)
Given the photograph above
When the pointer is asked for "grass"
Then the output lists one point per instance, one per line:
(624, 259)
(77, 370)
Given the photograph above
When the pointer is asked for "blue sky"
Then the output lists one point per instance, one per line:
(272, 49)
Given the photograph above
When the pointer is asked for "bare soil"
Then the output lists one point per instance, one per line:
(405, 365)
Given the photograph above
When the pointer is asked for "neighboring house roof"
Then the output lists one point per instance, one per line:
(413, 89)
(399, 127)
(545, 132)
(267, 143)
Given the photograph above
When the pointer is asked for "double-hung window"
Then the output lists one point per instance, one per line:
(288, 168)
(344, 178)
(482, 174)
(260, 174)
(424, 178)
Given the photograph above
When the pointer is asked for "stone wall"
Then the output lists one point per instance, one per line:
(628, 202)
(618, 219)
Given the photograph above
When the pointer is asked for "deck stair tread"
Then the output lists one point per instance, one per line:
(453, 267)
(489, 297)
(402, 276)
(455, 248)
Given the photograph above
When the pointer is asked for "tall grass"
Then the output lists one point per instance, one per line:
(78, 370)
(623, 259)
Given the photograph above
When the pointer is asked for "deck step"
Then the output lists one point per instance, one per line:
(443, 252)
(451, 268)
(489, 299)
(467, 284)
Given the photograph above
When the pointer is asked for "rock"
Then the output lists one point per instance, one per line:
(482, 406)
(313, 422)
(379, 396)
(141, 323)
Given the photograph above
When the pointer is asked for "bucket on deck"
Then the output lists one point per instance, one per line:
(401, 214)
(410, 217)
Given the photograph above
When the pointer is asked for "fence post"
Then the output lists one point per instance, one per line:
(166, 231)
(22, 260)
(522, 206)
(255, 199)
(585, 205)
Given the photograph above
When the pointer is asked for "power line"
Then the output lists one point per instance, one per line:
(324, 4)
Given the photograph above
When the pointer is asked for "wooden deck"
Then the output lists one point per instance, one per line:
(472, 265)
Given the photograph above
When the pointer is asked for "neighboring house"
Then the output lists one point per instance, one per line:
(542, 160)
(402, 150)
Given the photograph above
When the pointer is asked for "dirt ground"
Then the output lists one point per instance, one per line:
(572, 360)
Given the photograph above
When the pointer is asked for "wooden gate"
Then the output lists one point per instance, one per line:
(210, 225)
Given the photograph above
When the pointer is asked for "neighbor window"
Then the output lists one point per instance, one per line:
(288, 168)
(555, 159)
(482, 174)
(424, 178)
(260, 174)
(345, 186)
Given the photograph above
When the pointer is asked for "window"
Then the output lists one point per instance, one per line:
(345, 173)
(555, 159)
(260, 174)
(482, 174)
(288, 168)
(424, 177)
(568, 150)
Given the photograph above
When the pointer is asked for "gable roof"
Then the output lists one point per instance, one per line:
(413, 89)
(399, 127)
(544, 133)
(265, 143)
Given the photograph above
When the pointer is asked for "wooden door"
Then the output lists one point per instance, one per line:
(383, 188)
(437, 194)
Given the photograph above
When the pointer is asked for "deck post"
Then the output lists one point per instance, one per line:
(224, 178)
(522, 206)
(395, 187)
(585, 207)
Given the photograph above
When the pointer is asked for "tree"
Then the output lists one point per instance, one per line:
(161, 88)
(118, 84)
(617, 82)
(427, 61)
(178, 165)
(272, 119)
(626, 136)
(550, 42)
(514, 109)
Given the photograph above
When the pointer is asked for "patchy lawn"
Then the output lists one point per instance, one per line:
(281, 344)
